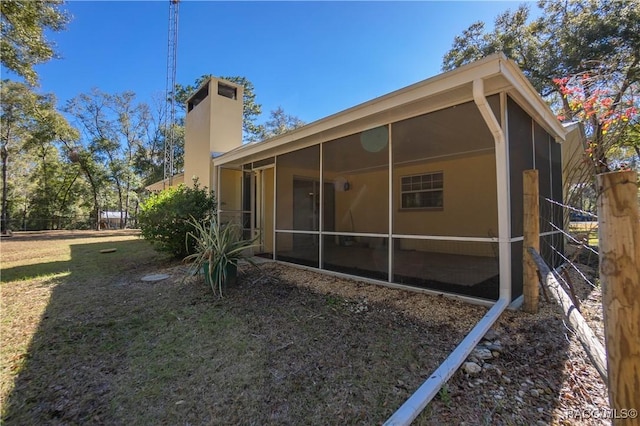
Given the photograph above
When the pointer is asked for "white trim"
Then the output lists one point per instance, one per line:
(425, 393)
(496, 65)
(252, 200)
(398, 236)
(293, 231)
(447, 238)
(502, 179)
(233, 211)
(268, 149)
(390, 201)
(218, 175)
(536, 104)
(485, 67)
(275, 203)
(262, 208)
(356, 234)
(517, 303)
(321, 212)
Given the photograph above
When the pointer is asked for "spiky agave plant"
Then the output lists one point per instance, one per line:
(219, 246)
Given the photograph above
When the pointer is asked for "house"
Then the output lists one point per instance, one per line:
(421, 187)
(158, 186)
(111, 220)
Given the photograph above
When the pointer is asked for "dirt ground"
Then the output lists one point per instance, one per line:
(541, 376)
(285, 346)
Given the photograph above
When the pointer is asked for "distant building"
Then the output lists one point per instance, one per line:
(111, 220)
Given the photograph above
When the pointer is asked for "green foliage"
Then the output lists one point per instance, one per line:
(167, 218)
(595, 44)
(33, 174)
(280, 123)
(23, 43)
(445, 395)
(333, 301)
(120, 149)
(218, 248)
(569, 38)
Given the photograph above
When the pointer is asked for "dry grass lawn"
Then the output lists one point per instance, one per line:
(85, 341)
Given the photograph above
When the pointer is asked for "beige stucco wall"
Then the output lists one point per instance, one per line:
(230, 192)
(284, 218)
(470, 199)
(470, 204)
(226, 121)
(365, 201)
(163, 184)
(230, 197)
(284, 194)
(470, 207)
(197, 157)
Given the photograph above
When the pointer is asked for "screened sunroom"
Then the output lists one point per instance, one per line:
(421, 187)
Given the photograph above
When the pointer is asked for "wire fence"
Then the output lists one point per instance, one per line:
(64, 223)
(584, 236)
(567, 268)
(576, 256)
(49, 223)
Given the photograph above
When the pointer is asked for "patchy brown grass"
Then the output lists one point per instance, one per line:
(84, 340)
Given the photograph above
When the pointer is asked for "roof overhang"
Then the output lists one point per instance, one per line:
(162, 184)
(498, 73)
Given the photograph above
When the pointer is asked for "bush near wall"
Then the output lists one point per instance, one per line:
(163, 217)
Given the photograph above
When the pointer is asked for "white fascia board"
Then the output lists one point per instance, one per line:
(522, 85)
(483, 68)
(493, 65)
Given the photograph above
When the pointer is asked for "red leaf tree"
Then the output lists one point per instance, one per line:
(608, 112)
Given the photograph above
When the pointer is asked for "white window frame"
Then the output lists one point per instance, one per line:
(422, 187)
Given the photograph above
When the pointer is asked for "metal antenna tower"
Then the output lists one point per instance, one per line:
(170, 113)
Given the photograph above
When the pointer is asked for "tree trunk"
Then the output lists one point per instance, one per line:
(126, 204)
(94, 189)
(48, 220)
(119, 187)
(96, 206)
(4, 153)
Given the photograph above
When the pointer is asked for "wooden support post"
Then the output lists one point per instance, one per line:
(619, 244)
(531, 225)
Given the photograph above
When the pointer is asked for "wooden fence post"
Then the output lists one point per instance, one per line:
(531, 233)
(619, 244)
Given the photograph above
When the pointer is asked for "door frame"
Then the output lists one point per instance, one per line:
(259, 226)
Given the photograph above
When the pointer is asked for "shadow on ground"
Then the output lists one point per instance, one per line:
(111, 349)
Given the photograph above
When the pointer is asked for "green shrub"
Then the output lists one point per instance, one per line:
(164, 217)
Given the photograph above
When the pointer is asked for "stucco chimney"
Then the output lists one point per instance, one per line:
(213, 125)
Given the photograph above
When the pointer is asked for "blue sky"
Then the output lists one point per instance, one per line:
(311, 58)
